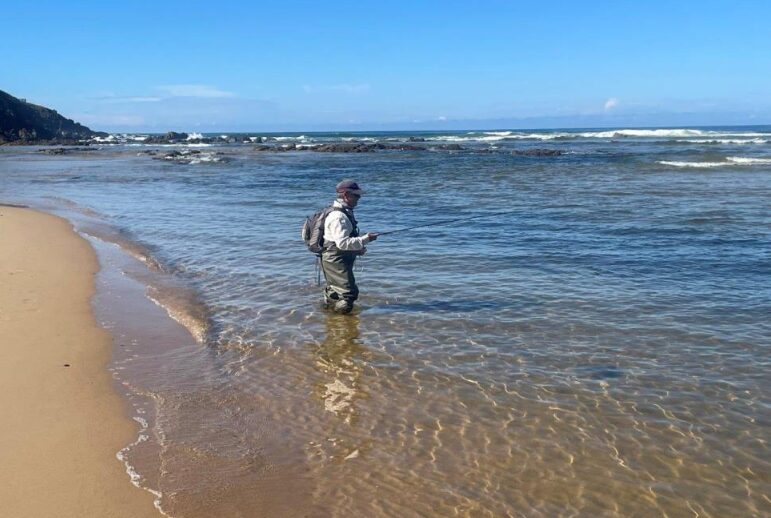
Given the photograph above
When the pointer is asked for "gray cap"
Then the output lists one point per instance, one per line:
(349, 186)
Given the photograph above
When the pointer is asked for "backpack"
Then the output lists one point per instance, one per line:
(312, 230)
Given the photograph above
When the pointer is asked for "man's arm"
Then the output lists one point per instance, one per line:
(338, 228)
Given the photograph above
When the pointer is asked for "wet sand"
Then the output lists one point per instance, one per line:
(64, 422)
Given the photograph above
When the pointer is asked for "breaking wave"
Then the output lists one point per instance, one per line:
(731, 160)
(118, 138)
(748, 160)
(669, 133)
(724, 141)
(688, 135)
(678, 135)
(675, 163)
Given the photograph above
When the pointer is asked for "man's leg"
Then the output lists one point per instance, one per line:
(341, 290)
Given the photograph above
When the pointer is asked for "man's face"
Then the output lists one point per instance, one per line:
(351, 199)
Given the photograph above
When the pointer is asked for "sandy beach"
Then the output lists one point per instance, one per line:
(64, 421)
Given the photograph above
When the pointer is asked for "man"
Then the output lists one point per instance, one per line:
(342, 244)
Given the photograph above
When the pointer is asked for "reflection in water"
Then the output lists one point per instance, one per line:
(464, 305)
(339, 358)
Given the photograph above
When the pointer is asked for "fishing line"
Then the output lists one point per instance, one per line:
(448, 221)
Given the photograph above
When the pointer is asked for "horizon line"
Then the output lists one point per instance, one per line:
(445, 130)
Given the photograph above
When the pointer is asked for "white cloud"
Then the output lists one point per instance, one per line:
(136, 99)
(441, 118)
(611, 103)
(344, 88)
(112, 98)
(351, 89)
(107, 120)
(194, 91)
(146, 99)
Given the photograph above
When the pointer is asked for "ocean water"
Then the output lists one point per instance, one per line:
(600, 350)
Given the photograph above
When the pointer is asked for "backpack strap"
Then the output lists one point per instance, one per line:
(348, 214)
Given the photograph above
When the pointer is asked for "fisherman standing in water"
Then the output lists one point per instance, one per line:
(342, 244)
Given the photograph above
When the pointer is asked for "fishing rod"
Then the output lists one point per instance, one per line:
(448, 221)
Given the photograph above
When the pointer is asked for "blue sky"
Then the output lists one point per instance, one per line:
(291, 65)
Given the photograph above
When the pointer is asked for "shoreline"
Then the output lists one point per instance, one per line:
(68, 421)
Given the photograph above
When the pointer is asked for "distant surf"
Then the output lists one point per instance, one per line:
(729, 161)
(681, 135)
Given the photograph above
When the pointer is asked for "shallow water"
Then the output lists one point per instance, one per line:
(602, 350)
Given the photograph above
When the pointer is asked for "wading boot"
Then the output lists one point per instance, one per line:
(343, 307)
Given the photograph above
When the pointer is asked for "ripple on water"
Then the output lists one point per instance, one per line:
(599, 352)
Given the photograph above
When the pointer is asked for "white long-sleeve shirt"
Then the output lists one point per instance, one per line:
(338, 228)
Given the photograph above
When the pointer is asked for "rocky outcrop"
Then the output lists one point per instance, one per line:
(537, 152)
(172, 137)
(362, 147)
(353, 147)
(64, 150)
(449, 147)
(191, 156)
(26, 123)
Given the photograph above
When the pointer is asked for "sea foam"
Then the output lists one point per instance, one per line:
(119, 138)
(724, 141)
(671, 133)
(135, 477)
(300, 138)
(729, 161)
(644, 133)
(675, 163)
(748, 160)
(692, 135)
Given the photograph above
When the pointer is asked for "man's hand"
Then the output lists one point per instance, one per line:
(372, 236)
(362, 251)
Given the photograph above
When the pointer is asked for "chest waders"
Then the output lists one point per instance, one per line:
(337, 265)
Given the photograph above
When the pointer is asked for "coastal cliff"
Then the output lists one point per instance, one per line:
(25, 123)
